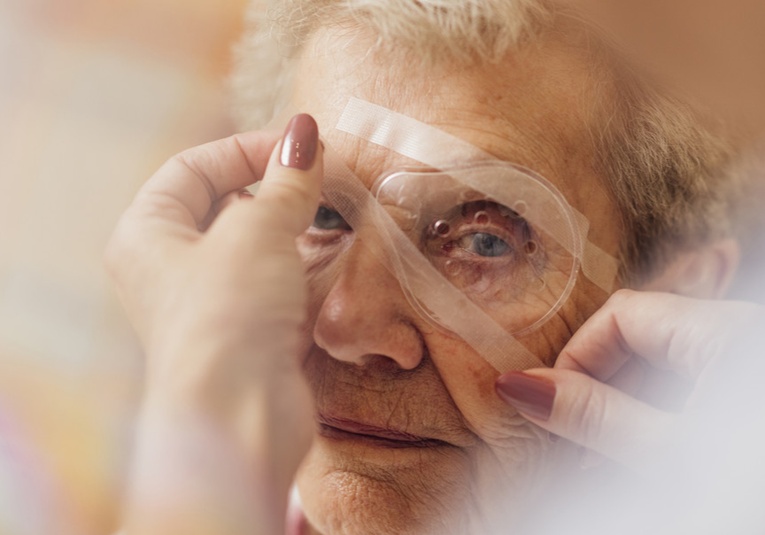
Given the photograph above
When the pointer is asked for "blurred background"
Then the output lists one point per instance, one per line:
(94, 96)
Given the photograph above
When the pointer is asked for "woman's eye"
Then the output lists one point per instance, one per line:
(328, 219)
(486, 245)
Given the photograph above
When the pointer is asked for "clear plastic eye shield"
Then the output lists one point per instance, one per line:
(482, 248)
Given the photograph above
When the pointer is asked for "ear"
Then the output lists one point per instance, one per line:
(704, 273)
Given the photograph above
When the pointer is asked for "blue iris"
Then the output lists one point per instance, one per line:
(487, 245)
(328, 219)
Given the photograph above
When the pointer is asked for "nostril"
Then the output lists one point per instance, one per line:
(383, 364)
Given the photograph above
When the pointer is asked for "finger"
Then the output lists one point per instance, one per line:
(288, 196)
(598, 347)
(231, 198)
(587, 412)
(177, 201)
(668, 331)
(189, 184)
(630, 377)
(289, 193)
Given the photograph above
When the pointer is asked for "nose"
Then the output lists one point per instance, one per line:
(366, 316)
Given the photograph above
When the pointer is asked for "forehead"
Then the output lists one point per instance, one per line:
(535, 108)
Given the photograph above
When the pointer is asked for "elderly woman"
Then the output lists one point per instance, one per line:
(407, 431)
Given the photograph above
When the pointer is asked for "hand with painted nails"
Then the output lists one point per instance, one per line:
(212, 282)
(609, 388)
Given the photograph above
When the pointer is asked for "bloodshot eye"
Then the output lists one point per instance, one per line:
(486, 245)
(328, 219)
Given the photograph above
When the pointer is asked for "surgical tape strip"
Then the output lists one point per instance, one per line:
(438, 149)
(351, 199)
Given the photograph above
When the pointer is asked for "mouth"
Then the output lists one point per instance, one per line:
(351, 430)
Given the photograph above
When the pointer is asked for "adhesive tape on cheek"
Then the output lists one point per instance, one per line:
(438, 149)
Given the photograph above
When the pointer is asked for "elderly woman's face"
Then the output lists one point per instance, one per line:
(411, 436)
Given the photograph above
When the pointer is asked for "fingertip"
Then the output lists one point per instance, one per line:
(289, 192)
(300, 145)
(533, 396)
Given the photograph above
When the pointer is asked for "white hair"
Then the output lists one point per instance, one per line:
(665, 172)
(465, 30)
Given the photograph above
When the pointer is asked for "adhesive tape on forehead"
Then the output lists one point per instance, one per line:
(438, 149)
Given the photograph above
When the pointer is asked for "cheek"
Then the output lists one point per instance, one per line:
(549, 340)
(511, 439)
(346, 495)
(515, 460)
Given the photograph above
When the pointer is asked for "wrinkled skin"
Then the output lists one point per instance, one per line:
(373, 360)
(224, 421)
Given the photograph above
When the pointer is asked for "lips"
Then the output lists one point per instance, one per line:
(344, 429)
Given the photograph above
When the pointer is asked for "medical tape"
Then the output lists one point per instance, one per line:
(440, 150)
(450, 307)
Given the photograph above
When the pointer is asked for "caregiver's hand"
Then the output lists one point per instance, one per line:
(212, 282)
(589, 396)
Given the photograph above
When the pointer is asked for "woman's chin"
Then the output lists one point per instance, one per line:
(355, 485)
(364, 486)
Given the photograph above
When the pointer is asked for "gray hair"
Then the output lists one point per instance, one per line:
(665, 172)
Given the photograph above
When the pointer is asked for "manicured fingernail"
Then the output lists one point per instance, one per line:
(301, 138)
(531, 395)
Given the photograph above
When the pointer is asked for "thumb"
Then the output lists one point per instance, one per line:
(288, 196)
(585, 411)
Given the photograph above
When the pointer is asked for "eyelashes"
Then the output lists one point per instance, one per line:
(330, 220)
(486, 250)
(482, 228)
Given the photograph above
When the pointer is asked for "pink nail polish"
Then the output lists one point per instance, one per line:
(301, 139)
(531, 395)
